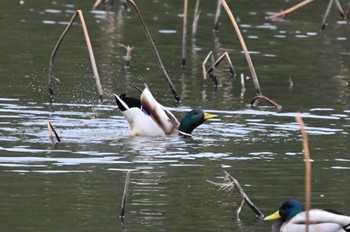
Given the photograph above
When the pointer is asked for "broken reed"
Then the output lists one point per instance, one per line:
(125, 193)
(245, 49)
(91, 54)
(99, 3)
(344, 16)
(154, 49)
(231, 184)
(289, 10)
(212, 69)
(53, 133)
(340, 10)
(249, 60)
(127, 56)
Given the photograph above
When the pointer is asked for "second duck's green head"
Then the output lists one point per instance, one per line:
(287, 211)
(193, 119)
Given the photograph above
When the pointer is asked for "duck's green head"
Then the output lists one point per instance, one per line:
(193, 119)
(287, 211)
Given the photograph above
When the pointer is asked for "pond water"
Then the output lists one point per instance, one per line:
(77, 185)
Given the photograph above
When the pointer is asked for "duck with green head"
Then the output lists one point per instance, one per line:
(146, 117)
(291, 217)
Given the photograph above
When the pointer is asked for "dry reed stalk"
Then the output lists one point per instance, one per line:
(196, 15)
(289, 10)
(91, 54)
(127, 56)
(153, 46)
(259, 97)
(184, 34)
(242, 85)
(212, 70)
(291, 83)
(232, 184)
(218, 61)
(125, 193)
(340, 9)
(205, 73)
(98, 3)
(324, 24)
(53, 133)
(307, 168)
(213, 73)
(249, 60)
(217, 16)
(246, 53)
(347, 13)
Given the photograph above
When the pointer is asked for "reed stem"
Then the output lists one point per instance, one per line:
(218, 61)
(125, 193)
(184, 34)
(324, 23)
(91, 54)
(307, 168)
(217, 16)
(53, 133)
(289, 10)
(246, 53)
(205, 73)
(196, 15)
(232, 184)
(153, 46)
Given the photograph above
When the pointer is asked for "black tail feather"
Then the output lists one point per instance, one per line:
(130, 101)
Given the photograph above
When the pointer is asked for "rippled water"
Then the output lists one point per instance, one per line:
(78, 184)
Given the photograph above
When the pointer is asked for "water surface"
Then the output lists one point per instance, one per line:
(77, 185)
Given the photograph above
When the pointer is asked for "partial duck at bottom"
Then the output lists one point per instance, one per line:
(292, 218)
(147, 117)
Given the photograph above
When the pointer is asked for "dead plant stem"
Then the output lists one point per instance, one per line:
(307, 168)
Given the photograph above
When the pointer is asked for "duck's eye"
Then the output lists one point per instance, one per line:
(282, 212)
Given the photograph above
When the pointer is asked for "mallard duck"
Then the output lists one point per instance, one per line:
(292, 218)
(146, 117)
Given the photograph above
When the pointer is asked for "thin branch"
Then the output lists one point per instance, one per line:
(324, 23)
(242, 85)
(213, 73)
(246, 53)
(196, 15)
(247, 56)
(184, 34)
(125, 193)
(347, 13)
(275, 104)
(232, 184)
(53, 133)
(307, 168)
(98, 3)
(217, 62)
(127, 56)
(153, 46)
(91, 54)
(340, 9)
(217, 15)
(205, 73)
(289, 10)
